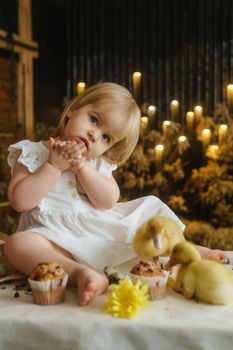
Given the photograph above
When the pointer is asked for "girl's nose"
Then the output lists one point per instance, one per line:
(93, 135)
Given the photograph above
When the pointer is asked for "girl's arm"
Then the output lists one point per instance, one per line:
(103, 192)
(26, 189)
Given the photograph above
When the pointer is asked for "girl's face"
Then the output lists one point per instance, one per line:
(97, 126)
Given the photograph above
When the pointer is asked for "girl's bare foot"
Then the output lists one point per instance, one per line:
(90, 284)
(212, 254)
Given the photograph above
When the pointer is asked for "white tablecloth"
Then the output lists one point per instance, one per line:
(172, 323)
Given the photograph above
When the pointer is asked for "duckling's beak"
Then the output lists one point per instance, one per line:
(170, 264)
(157, 240)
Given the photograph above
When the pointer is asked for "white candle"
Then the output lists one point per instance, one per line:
(174, 105)
(213, 151)
(80, 87)
(206, 136)
(159, 149)
(190, 116)
(222, 133)
(198, 110)
(165, 126)
(230, 97)
(136, 83)
(151, 111)
(144, 123)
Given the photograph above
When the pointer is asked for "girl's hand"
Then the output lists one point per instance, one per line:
(57, 159)
(72, 151)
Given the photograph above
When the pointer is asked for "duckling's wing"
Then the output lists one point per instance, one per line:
(209, 281)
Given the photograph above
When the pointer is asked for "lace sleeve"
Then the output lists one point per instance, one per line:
(26, 153)
(103, 167)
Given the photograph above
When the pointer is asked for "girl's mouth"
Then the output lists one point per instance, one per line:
(84, 141)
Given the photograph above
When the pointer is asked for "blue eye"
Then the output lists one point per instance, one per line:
(106, 138)
(94, 120)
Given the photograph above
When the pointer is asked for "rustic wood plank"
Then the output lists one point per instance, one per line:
(26, 59)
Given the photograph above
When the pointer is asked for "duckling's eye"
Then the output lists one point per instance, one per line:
(94, 120)
(106, 138)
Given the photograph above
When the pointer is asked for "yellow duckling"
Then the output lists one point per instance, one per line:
(157, 237)
(202, 279)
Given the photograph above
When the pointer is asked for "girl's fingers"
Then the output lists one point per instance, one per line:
(66, 145)
(74, 162)
(51, 143)
(76, 149)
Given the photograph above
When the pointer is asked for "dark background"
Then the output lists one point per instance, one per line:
(184, 49)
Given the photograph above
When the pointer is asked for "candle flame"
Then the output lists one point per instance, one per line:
(214, 148)
(206, 132)
(159, 148)
(152, 108)
(137, 74)
(198, 108)
(223, 127)
(144, 119)
(182, 138)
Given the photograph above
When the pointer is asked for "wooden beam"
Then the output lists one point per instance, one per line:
(25, 33)
(20, 44)
(27, 49)
(25, 19)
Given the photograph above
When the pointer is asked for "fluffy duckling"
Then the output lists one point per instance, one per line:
(157, 237)
(202, 279)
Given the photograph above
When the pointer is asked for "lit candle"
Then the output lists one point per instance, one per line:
(190, 119)
(159, 154)
(212, 151)
(182, 139)
(222, 133)
(166, 124)
(183, 144)
(198, 110)
(80, 87)
(206, 136)
(136, 83)
(230, 97)
(174, 105)
(144, 123)
(151, 111)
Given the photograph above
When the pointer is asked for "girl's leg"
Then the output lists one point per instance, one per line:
(26, 249)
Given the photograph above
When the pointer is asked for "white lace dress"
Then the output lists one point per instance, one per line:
(66, 217)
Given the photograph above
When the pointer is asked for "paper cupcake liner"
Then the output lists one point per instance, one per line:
(49, 292)
(156, 284)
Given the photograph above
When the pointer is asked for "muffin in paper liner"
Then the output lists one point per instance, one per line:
(48, 283)
(150, 274)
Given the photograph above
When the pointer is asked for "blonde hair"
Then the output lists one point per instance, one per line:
(109, 95)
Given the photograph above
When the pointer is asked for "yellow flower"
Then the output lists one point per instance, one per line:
(126, 298)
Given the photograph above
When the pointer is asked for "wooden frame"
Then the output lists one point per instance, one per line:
(27, 49)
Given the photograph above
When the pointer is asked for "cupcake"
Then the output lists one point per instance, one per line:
(48, 282)
(152, 275)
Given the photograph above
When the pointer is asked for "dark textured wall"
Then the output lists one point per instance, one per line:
(184, 48)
